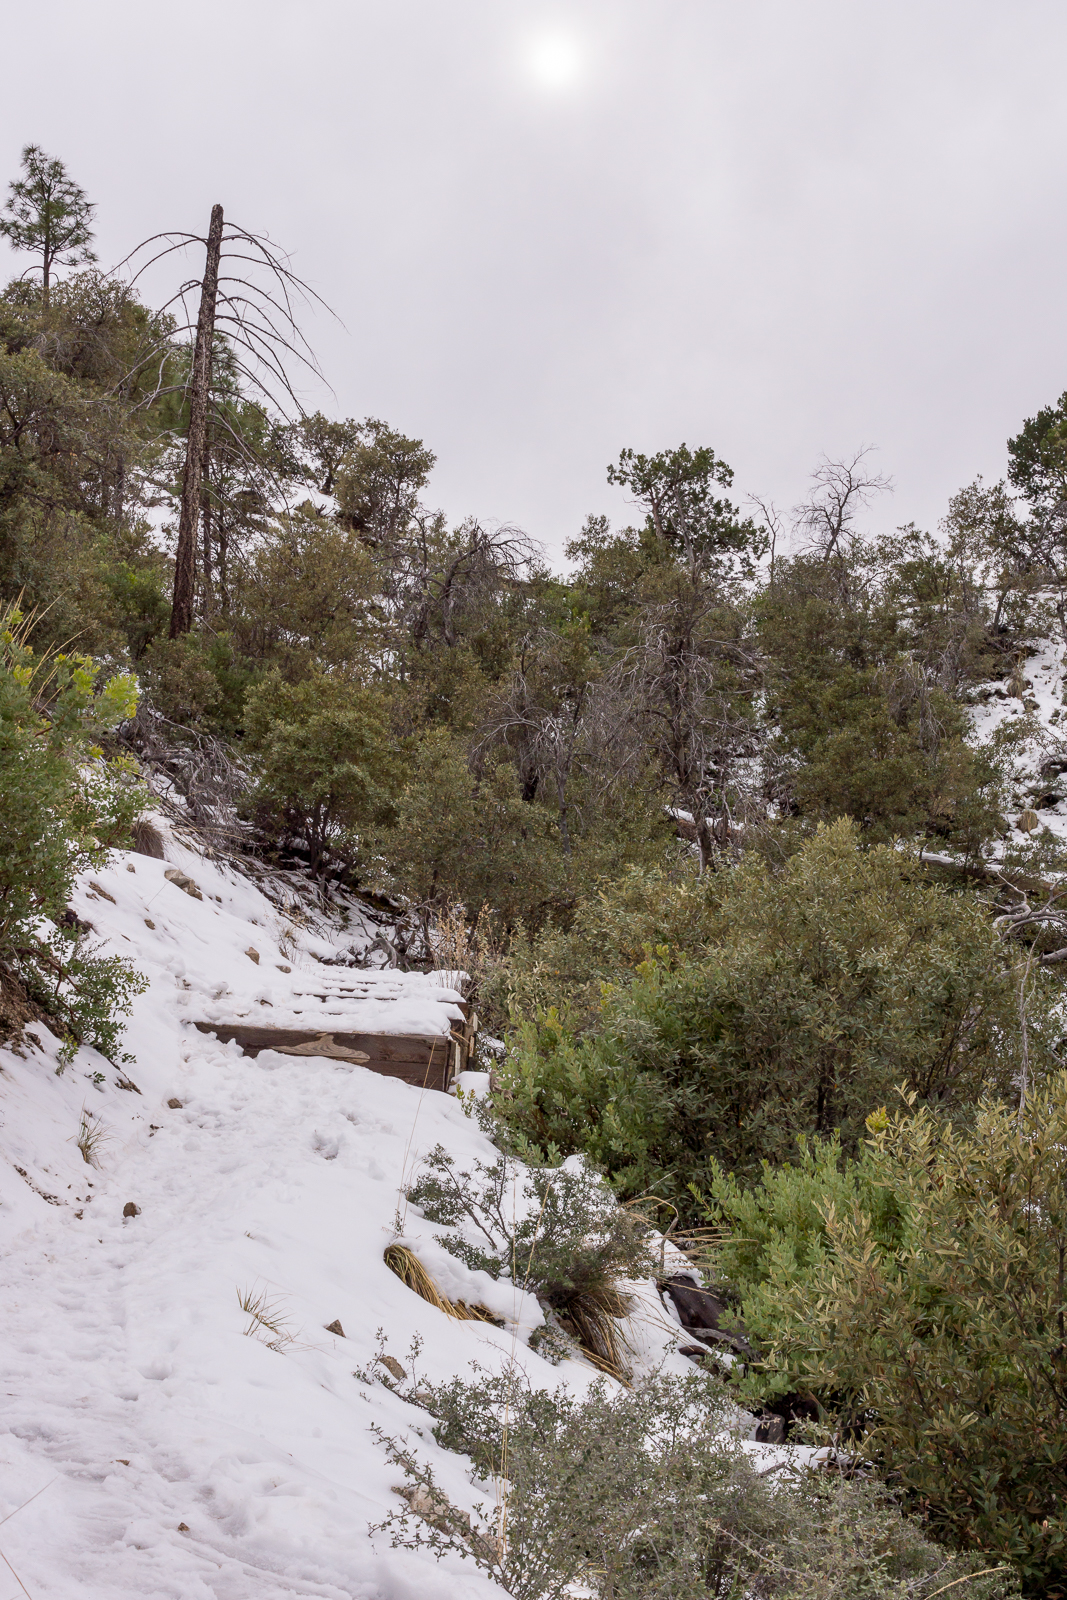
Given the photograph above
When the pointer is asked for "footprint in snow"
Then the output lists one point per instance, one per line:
(325, 1146)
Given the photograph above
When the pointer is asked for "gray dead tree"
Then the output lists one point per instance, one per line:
(826, 517)
(262, 334)
(688, 689)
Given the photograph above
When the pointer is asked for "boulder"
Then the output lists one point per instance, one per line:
(700, 1312)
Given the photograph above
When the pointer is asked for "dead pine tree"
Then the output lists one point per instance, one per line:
(181, 611)
(259, 327)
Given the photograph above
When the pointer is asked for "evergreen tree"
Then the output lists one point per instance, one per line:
(48, 215)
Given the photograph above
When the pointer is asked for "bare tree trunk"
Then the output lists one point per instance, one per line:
(205, 512)
(224, 565)
(181, 614)
(705, 837)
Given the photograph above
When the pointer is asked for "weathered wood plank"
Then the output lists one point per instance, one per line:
(423, 1060)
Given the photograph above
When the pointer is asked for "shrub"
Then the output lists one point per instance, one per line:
(458, 837)
(823, 985)
(88, 995)
(61, 809)
(927, 1314)
(647, 1495)
(557, 1231)
(178, 679)
(328, 766)
(775, 1233)
(613, 931)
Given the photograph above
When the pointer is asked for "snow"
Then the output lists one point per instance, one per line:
(135, 1400)
(994, 708)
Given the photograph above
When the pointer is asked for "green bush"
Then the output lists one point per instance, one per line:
(327, 764)
(647, 1495)
(613, 930)
(776, 1231)
(919, 1296)
(87, 995)
(178, 679)
(458, 837)
(61, 809)
(823, 984)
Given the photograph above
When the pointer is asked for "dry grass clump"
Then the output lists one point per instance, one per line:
(411, 1272)
(458, 945)
(147, 839)
(266, 1320)
(91, 1138)
(593, 1317)
(556, 1232)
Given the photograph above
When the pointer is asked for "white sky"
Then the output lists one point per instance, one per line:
(780, 227)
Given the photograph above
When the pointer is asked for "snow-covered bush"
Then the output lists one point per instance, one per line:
(556, 1231)
(647, 1495)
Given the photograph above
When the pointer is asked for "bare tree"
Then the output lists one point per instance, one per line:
(181, 613)
(434, 575)
(688, 686)
(773, 524)
(560, 716)
(839, 491)
(262, 336)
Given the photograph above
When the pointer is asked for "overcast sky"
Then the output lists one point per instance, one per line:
(778, 227)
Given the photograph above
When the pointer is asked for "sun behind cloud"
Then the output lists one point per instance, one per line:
(554, 60)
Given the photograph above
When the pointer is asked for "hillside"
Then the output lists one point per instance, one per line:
(135, 1403)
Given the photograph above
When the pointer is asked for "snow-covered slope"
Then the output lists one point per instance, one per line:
(170, 1454)
(1040, 710)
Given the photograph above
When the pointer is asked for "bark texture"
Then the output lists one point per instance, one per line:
(181, 615)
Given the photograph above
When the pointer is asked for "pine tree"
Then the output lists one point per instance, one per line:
(48, 214)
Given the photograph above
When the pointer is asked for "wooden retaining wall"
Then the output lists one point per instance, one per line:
(427, 1061)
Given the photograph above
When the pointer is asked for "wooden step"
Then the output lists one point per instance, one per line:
(426, 1061)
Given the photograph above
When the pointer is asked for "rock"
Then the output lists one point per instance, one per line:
(335, 1327)
(699, 1312)
(183, 1527)
(70, 920)
(149, 924)
(696, 1307)
(771, 1430)
(175, 1105)
(130, 1210)
(182, 880)
(127, 1083)
(435, 1507)
(391, 1364)
(253, 954)
(281, 967)
(98, 888)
